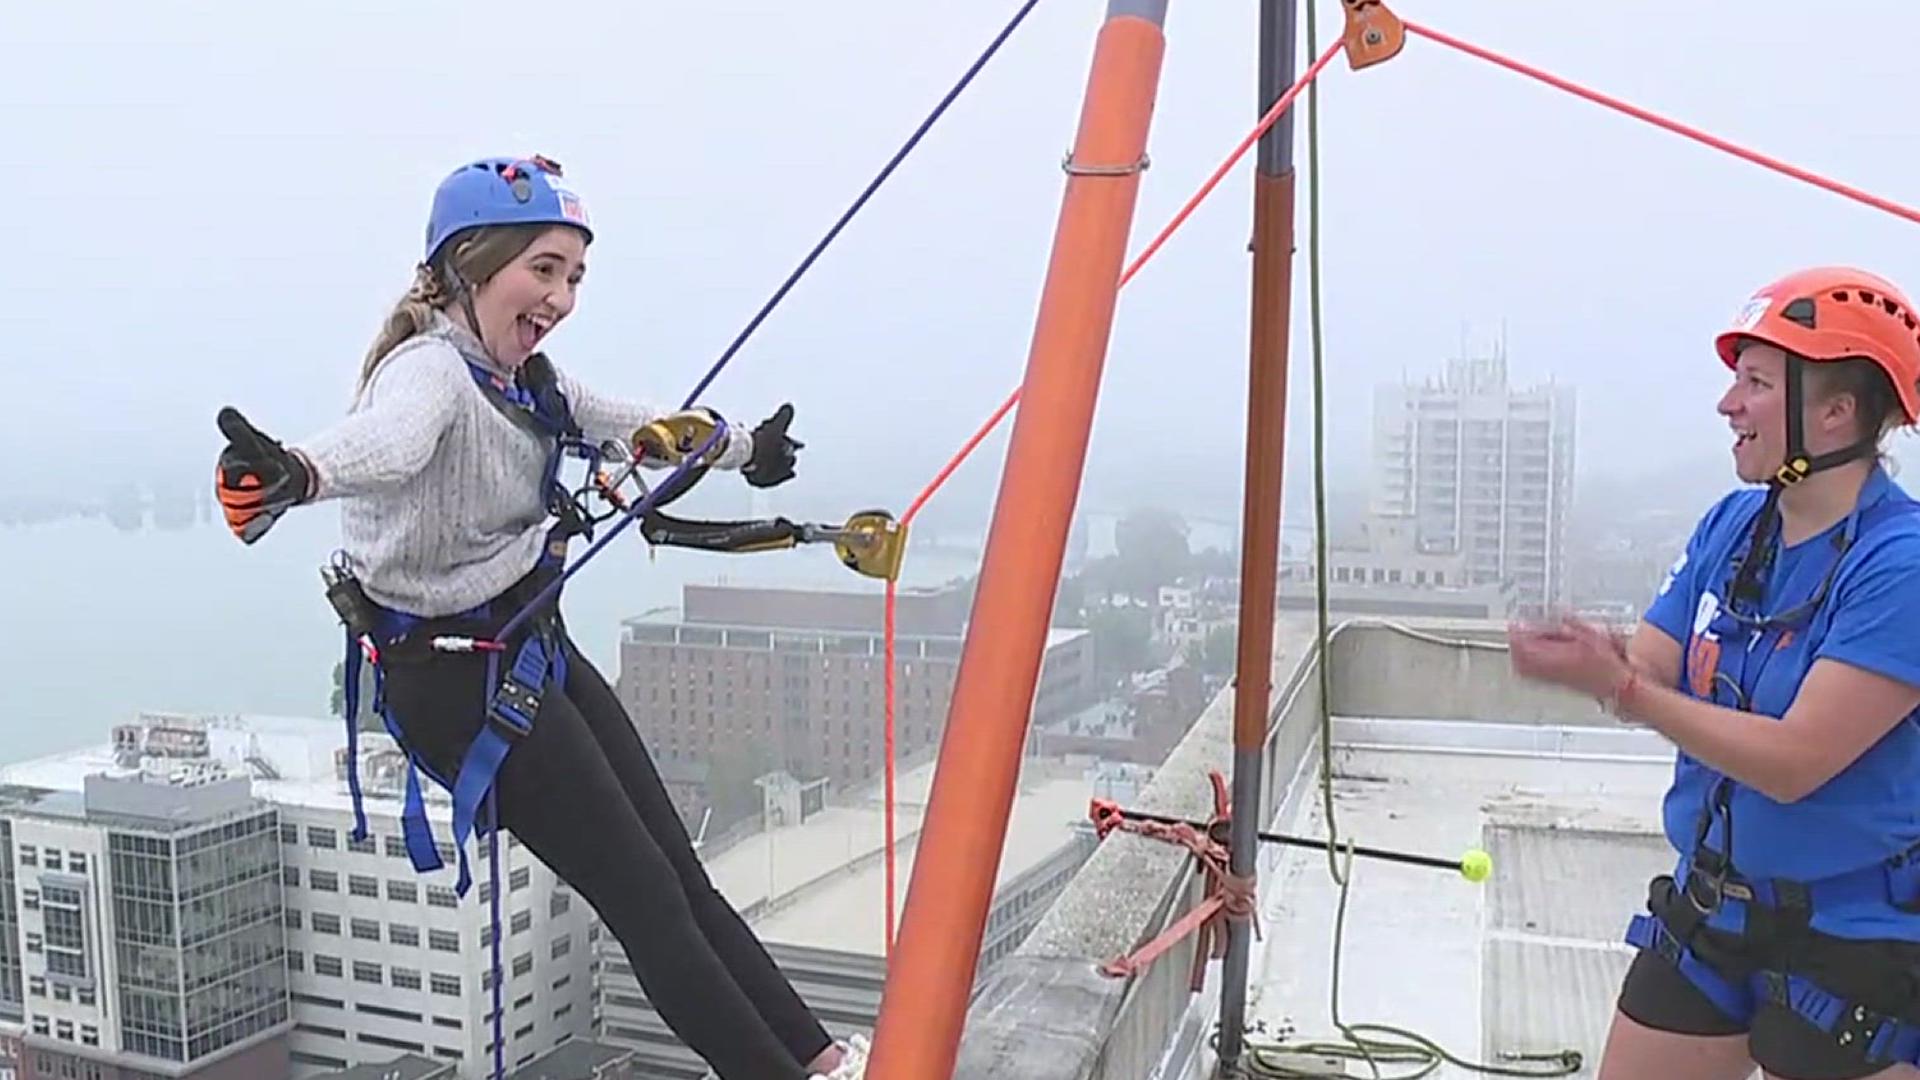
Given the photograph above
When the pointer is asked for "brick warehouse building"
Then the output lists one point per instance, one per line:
(801, 672)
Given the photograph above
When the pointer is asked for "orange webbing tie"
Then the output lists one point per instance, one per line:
(1229, 896)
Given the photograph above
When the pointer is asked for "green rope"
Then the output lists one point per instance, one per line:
(1381, 1044)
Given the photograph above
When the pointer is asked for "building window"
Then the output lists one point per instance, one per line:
(362, 846)
(66, 930)
(326, 923)
(522, 964)
(408, 936)
(403, 892)
(322, 838)
(360, 885)
(443, 941)
(291, 876)
(396, 847)
(522, 921)
(561, 903)
(367, 973)
(327, 965)
(445, 985)
(366, 930)
(296, 960)
(406, 979)
(323, 881)
(562, 945)
(441, 897)
(293, 918)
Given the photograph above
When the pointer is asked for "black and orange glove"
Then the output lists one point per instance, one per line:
(256, 479)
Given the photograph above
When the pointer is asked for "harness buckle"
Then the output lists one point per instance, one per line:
(513, 708)
(1858, 1025)
(1707, 885)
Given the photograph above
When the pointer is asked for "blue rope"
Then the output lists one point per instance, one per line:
(493, 910)
(635, 511)
(899, 156)
(780, 294)
(628, 516)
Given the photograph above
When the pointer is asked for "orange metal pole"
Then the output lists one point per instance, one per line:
(930, 977)
(1261, 501)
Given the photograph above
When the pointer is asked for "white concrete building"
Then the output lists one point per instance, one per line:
(1481, 469)
(379, 959)
(140, 912)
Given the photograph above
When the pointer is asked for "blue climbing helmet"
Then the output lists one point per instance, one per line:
(503, 191)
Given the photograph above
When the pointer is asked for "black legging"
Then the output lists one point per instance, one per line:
(582, 793)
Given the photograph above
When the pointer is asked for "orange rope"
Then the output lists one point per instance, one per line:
(946, 472)
(1674, 126)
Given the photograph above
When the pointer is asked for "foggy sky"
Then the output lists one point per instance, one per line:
(215, 203)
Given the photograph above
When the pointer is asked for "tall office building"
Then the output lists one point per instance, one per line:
(366, 958)
(1481, 469)
(142, 928)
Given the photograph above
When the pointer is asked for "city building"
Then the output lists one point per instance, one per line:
(813, 890)
(1139, 727)
(1382, 571)
(370, 958)
(575, 1059)
(142, 920)
(1482, 470)
(747, 681)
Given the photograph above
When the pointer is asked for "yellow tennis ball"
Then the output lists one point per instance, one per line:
(1476, 865)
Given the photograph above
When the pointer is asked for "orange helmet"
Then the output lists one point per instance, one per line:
(1835, 313)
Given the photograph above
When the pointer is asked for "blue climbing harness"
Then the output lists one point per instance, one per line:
(538, 663)
(1771, 915)
(1743, 938)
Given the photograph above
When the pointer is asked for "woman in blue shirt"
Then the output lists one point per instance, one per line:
(1782, 658)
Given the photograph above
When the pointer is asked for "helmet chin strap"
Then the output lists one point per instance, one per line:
(1799, 464)
(1748, 584)
(462, 292)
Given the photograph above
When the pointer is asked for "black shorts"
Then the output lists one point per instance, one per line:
(1880, 975)
(1780, 1040)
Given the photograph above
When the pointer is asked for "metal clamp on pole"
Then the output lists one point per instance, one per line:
(1068, 166)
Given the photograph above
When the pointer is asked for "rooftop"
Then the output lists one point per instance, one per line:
(290, 761)
(822, 883)
(404, 1067)
(1437, 749)
(1534, 955)
(575, 1059)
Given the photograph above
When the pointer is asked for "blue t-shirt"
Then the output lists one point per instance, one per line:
(1869, 617)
